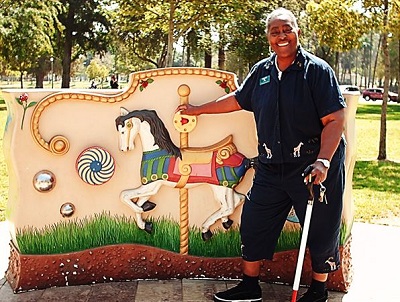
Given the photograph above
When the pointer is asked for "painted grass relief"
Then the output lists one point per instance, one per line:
(104, 229)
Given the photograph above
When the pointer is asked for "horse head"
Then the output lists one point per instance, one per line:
(127, 127)
(152, 131)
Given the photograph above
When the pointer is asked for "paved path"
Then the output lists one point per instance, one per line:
(374, 251)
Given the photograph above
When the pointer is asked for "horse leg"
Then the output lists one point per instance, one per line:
(126, 197)
(141, 204)
(224, 196)
(145, 205)
(238, 198)
(143, 201)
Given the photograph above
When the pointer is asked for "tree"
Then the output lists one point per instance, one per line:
(96, 70)
(236, 26)
(153, 29)
(26, 28)
(338, 26)
(393, 46)
(247, 34)
(347, 63)
(366, 62)
(86, 27)
(385, 51)
(148, 43)
(381, 12)
(394, 27)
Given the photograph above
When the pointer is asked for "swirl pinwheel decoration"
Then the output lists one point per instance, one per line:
(95, 166)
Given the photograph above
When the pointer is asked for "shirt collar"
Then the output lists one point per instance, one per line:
(298, 63)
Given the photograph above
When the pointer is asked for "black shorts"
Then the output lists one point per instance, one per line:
(278, 187)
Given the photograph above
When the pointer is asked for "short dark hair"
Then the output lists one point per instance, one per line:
(279, 12)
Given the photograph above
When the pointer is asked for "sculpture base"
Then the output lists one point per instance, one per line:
(129, 262)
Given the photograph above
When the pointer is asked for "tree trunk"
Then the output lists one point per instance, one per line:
(188, 53)
(356, 75)
(376, 59)
(207, 46)
(382, 136)
(342, 76)
(21, 79)
(370, 61)
(170, 58)
(183, 55)
(221, 51)
(207, 58)
(39, 72)
(66, 61)
(398, 71)
(221, 58)
(39, 78)
(351, 80)
(337, 63)
(67, 49)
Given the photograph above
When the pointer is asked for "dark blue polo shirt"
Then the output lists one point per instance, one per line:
(288, 111)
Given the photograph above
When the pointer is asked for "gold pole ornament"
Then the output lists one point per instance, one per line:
(184, 124)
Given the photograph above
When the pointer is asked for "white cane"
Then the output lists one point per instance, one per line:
(304, 235)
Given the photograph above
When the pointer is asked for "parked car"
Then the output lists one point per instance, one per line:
(394, 97)
(350, 93)
(377, 94)
(349, 89)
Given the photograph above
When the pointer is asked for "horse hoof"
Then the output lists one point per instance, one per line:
(148, 227)
(148, 205)
(227, 224)
(207, 235)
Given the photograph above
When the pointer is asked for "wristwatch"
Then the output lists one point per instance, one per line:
(325, 162)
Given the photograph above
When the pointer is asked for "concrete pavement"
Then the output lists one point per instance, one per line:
(374, 252)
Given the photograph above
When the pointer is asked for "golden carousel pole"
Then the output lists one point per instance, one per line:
(184, 91)
(184, 124)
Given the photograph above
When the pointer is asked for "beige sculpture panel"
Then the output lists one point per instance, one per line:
(73, 155)
(64, 124)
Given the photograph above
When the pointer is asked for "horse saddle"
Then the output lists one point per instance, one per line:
(203, 155)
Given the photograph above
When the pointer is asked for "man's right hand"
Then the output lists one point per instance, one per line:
(187, 109)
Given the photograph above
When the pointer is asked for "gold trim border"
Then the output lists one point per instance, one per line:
(59, 145)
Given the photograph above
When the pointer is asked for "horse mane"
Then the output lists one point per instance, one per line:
(157, 129)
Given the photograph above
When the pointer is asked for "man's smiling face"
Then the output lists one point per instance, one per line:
(283, 36)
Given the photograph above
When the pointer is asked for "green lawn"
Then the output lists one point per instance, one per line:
(375, 189)
(375, 184)
(56, 84)
(46, 84)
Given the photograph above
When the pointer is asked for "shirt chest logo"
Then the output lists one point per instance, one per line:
(265, 80)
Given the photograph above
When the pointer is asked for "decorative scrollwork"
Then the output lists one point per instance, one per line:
(225, 153)
(60, 146)
(185, 169)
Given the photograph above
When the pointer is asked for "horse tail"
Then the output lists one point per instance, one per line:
(233, 169)
(251, 163)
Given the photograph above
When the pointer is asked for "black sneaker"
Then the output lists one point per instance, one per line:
(312, 296)
(239, 293)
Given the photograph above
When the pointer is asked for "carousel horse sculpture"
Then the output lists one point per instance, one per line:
(164, 164)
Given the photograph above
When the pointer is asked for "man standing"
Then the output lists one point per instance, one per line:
(114, 82)
(299, 114)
